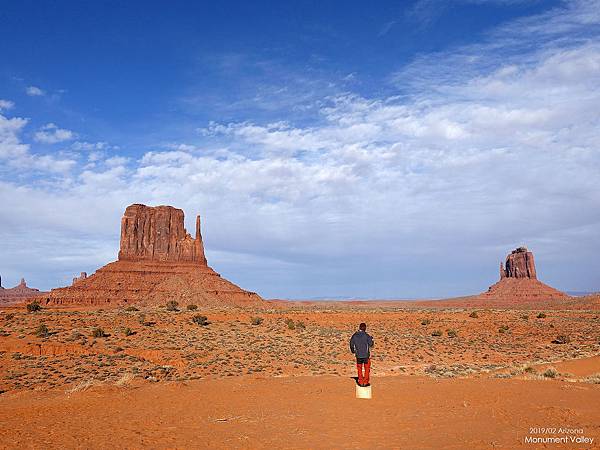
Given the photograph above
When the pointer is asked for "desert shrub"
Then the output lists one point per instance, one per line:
(256, 320)
(436, 333)
(300, 325)
(562, 339)
(529, 369)
(452, 333)
(474, 315)
(172, 305)
(34, 306)
(550, 372)
(98, 333)
(8, 316)
(425, 322)
(200, 320)
(431, 369)
(128, 331)
(75, 334)
(131, 309)
(192, 307)
(594, 379)
(42, 331)
(290, 324)
(525, 317)
(541, 315)
(503, 329)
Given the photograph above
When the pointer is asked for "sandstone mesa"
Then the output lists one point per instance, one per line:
(518, 281)
(158, 261)
(17, 293)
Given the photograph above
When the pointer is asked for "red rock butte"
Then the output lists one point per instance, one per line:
(158, 262)
(16, 294)
(518, 281)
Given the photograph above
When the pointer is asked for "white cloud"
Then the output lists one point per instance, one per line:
(34, 91)
(16, 154)
(51, 134)
(6, 104)
(89, 146)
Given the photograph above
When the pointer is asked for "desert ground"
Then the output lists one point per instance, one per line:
(281, 377)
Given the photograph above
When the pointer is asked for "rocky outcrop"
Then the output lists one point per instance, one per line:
(518, 281)
(82, 276)
(158, 261)
(519, 264)
(17, 294)
(158, 234)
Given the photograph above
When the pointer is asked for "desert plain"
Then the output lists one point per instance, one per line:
(281, 376)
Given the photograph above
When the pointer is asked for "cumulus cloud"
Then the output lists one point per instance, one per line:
(89, 146)
(34, 91)
(404, 195)
(6, 104)
(15, 154)
(51, 134)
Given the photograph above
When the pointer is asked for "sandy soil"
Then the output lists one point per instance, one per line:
(304, 412)
(443, 377)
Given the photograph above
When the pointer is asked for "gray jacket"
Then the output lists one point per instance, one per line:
(360, 343)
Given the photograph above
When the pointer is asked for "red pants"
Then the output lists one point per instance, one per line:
(363, 379)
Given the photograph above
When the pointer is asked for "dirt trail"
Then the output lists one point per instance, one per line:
(302, 412)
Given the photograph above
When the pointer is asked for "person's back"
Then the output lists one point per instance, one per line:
(360, 345)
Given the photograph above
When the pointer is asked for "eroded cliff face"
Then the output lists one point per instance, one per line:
(519, 264)
(158, 261)
(518, 281)
(16, 294)
(158, 234)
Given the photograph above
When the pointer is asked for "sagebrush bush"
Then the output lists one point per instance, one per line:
(98, 333)
(474, 315)
(425, 322)
(172, 305)
(200, 320)
(131, 309)
(42, 331)
(128, 331)
(256, 320)
(551, 372)
(541, 315)
(452, 333)
(34, 306)
(192, 307)
(436, 333)
(562, 339)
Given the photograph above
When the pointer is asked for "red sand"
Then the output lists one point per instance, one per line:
(302, 412)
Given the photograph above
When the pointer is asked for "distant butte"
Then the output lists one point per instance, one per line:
(158, 261)
(17, 294)
(518, 281)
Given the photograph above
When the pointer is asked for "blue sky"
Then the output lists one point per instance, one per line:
(333, 148)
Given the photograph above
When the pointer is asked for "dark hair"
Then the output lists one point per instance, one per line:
(362, 326)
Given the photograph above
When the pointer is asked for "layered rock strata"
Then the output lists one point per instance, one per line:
(158, 261)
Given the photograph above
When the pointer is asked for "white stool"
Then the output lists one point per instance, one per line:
(363, 392)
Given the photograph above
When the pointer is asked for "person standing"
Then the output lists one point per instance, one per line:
(360, 345)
